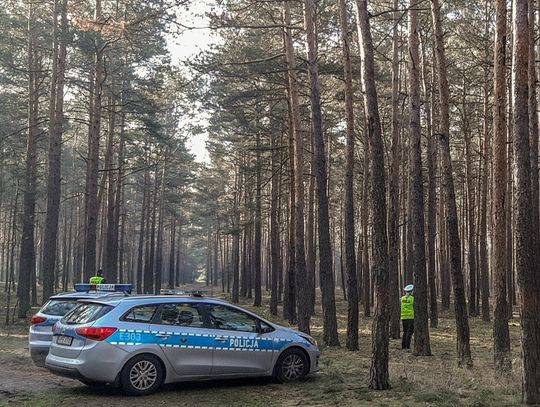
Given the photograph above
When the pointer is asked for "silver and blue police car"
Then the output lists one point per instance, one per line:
(40, 331)
(140, 342)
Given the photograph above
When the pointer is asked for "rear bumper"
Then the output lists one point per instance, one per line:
(98, 362)
(38, 355)
(63, 371)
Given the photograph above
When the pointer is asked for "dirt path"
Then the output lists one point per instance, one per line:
(18, 377)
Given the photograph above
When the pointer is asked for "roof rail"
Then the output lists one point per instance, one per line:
(178, 291)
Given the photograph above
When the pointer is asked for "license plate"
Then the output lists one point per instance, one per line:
(64, 340)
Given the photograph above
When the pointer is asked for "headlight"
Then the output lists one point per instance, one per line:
(309, 339)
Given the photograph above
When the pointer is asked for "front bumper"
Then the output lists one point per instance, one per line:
(314, 361)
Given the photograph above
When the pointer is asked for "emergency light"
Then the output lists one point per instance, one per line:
(84, 287)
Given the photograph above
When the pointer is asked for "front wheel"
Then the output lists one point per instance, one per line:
(142, 375)
(291, 366)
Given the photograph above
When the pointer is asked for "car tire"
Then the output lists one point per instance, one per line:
(291, 366)
(141, 375)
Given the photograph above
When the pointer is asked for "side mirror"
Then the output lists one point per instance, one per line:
(263, 328)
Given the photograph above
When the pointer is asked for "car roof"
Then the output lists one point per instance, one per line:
(151, 299)
(75, 295)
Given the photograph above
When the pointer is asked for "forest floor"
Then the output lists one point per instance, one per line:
(342, 380)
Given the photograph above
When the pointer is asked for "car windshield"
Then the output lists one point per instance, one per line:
(58, 307)
(86, 313)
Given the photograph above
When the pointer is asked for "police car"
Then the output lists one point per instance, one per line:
(140, 342)
(40, 331)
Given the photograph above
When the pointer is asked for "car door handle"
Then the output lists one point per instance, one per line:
(221, 338)
(163, 336)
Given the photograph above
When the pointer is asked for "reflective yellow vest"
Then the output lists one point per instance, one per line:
(96, 280)
(407, 307)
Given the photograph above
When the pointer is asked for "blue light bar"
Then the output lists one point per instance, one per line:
(84, 287)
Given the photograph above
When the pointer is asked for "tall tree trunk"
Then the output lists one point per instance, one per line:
(110, 251)
(142, 232)
(296, 180)
(510, 216)
(460, 305)
(483, 250)
(56, 118)
(325, 252)
(380, 331)
(416, 192)
(501, 334)
(471, 207)
(172, 254)
(158, 273)
(533, 132)
(350, 255)
(92, 162)
(257, 301)
(310, 23)
(393, 188)
(149, 268)
(526, 267)
(236, 239)
(116, 235)
(27, 257)
(432, 192)
(366, 269)
(274, 228)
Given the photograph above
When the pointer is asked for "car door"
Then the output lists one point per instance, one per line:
(180, 332)
(239, 347)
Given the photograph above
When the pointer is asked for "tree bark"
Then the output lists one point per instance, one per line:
(56, 118)
(257, 301)
(422, 345)
(274, 228)
(432, 194)
(142, 231)
(483, 250)
(92, 162)
(462, 321)
(501, 334)
(289, 301)
(393, 193)
(27, 258)
(350, 255)
(526, 267)
(380, 331)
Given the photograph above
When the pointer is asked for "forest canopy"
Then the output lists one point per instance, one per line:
(353, 148)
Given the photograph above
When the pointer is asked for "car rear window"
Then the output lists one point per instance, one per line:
(58, 308)
(85, 313)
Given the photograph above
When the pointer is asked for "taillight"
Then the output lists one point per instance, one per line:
(36, 319)
(96, 333)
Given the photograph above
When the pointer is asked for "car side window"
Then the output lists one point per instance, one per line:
(182, 314)
(142, 313)
(222, 317)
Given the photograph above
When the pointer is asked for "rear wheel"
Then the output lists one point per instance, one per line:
(291, 366)
(141, 375)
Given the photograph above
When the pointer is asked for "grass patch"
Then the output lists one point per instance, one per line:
(443, 398)
(343, 379)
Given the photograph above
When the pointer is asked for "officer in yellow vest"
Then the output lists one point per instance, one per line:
(407, 316)
(98, 278)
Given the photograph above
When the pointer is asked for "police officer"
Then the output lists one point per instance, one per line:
(98, 278)
(407, 316)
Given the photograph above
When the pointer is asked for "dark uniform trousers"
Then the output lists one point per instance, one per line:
(408, 329)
